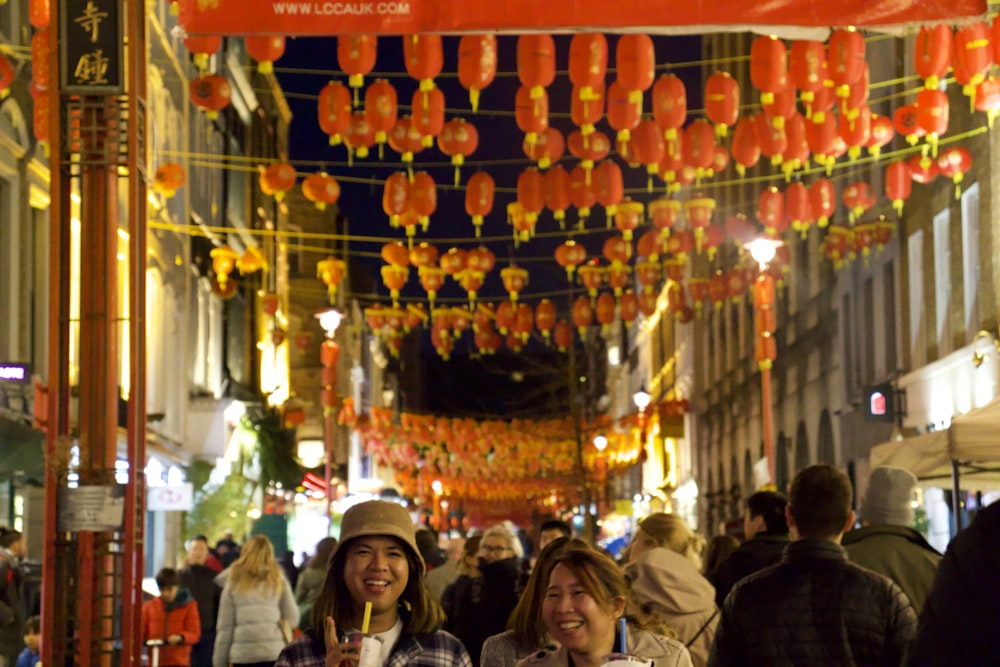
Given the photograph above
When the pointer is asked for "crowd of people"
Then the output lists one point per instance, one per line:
(810, 584)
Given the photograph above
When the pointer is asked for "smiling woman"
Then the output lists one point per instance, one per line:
(586, 596)
(374, 586)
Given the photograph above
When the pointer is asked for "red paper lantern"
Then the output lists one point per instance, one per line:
(771, 211)
(277, 179)
(210, 93)
(536, 62)
(722, 101)
(424, 57)
(798, 207)
(569, 255)
(458, 140)
(988, 98)
(39, 14)
(381, 109)
(545, 317)
(856, 133)
(624, 112)
(477, 64)
(405, 139)
(845, 59)
(796, 155)
(423, 254)
(906, 120)
(953, 163)
(609, 186)
(807, 69)
(772, 140)
(923, 170)
(548, 148)
(321, 189)
(356, 57)
(334, 111)
(605, 310)
(973, 54)
(423, 196)
(557, 197)
(427, 108)
(589, 149)
(669, 104)
(820, 135)
(531, 193)
(635, 59)
(932, 113)
(581, 192)
(479, 193)
(744, 148)
(395, 254)
(531, 113)
(514, 279)
(265, 49)
(168, 179)
(583, 315)
(932, 53)
(823, 200)
(699, 146)
(396, 197)
(898, 184)
(562, 334)
(781, 107)
(40, 49)
(201, 47)
(647, 274)
(768, 66)
(628, 216)
(664, 213)
(360, 136)
(588, 63)
(431, 279)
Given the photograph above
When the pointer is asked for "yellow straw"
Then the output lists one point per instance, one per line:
(368, 618)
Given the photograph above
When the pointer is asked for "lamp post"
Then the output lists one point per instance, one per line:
(642, 399)
(329, 320)
(766, 350)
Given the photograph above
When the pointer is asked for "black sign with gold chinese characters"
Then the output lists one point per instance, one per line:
(91, 46)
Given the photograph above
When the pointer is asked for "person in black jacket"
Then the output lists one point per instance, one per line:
(815, 607)
(12, 551)
(199, 579)
(484, 603)
(766, 534)
(960, 619)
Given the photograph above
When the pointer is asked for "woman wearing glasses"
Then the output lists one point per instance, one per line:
(483, 607)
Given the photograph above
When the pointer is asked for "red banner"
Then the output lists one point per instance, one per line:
(395, 17)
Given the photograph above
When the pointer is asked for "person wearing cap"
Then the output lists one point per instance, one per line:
(886, 544)
(376, 563)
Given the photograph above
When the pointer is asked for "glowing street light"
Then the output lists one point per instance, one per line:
(329, 320)
(600, 442)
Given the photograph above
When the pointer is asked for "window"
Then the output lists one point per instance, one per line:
(915, 253)
(970, 258)
(942, 278)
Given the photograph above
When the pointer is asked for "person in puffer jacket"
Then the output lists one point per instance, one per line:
(255, 599)
(171, 619)
(815, 607)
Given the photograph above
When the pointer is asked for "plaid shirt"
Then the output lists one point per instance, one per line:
(437, 649)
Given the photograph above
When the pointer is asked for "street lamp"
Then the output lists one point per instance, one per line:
(763, 251)
(329, 320)
(642, 399)
(600, 442)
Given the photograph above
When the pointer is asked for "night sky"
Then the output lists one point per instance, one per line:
(499, 140)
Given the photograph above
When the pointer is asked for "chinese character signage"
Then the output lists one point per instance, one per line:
(91, 46)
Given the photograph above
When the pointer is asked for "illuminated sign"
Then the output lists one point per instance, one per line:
(879, 402)
(14, 372)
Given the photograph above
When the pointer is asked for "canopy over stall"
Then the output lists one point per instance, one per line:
(315, 17)
(970, 448)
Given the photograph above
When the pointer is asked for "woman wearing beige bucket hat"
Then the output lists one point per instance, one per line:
(374, 585)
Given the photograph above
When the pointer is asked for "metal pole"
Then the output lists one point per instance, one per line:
(328, 468)
(956, 499)
(767, 418)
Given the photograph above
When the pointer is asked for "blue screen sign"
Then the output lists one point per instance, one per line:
(12, 372)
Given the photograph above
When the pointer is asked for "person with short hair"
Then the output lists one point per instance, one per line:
(32, 642)
(376, 563)
(441, 577)
(553, 529)
(198, 577)
(172, 620)
(766, 533)
(311, 579)
(12, 552)
(885, 543)
(586, 595)
(815, 607)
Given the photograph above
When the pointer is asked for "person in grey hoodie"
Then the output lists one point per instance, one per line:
(256, 599)
(665, 572)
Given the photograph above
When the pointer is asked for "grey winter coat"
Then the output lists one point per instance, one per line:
(662, 651)
(247, 629)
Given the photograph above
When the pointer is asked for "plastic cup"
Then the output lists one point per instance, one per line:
(371, 648)
(625, 660)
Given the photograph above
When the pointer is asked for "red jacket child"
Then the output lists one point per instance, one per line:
(173, 619)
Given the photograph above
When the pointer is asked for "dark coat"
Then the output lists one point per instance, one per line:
(200, 581)
(898, 552)
(479, 608)
(815, 607)
(11, 612)
(762, 550)
(960, 622)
